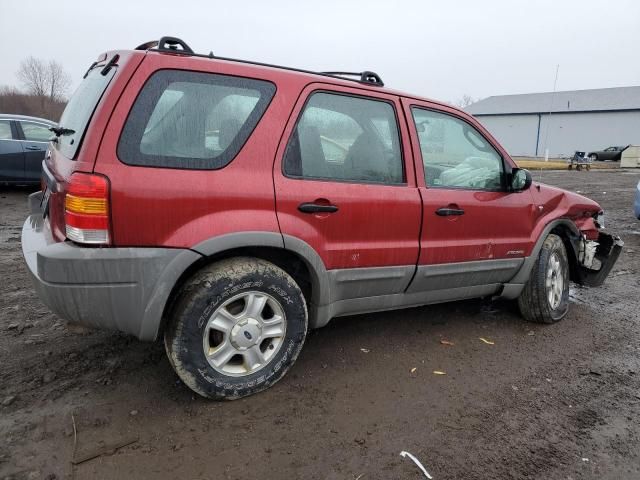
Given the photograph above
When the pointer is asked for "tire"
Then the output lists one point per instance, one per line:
(235, 328)
(593, 157)
(545, 298)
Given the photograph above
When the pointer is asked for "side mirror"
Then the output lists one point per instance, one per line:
(520, 179)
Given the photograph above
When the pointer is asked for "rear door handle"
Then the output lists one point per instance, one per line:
(317, 208)
(33, 147)
(448, 211)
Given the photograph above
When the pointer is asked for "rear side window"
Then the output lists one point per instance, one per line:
(192, 120)
(345, 138)
(35, 132)
(79, 110)
(5, 130)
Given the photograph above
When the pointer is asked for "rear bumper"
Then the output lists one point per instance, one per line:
(123, 289)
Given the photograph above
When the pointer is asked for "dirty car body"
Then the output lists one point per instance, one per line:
(229, 205)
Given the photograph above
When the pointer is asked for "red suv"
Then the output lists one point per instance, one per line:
(230, 205)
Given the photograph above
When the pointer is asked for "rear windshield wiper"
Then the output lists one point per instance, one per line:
(62, 131)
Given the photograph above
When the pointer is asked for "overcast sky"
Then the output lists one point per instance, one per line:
(438, 49)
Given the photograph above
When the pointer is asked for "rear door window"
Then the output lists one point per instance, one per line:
(35, 132)
(192, 120)
(79, 110)
(346, 138)
(5, 130)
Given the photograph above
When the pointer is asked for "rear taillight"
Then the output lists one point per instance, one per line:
(86, 209)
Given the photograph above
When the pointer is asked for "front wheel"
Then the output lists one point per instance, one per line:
(593, 157)
(236, 327)
(545, 298)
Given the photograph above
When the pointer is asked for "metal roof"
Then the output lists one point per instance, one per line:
(601, 99)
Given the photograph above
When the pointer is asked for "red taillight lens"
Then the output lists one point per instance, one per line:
(86, 209)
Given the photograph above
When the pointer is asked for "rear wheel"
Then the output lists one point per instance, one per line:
(545, 298)
(236, 328)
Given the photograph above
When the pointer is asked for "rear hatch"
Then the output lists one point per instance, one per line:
(81, 127)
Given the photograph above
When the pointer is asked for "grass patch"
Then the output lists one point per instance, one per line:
(532, 163)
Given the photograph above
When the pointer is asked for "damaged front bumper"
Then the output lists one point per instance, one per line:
(596, 258)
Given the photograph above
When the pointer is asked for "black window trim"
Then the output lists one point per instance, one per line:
(506, 169)
(13, 129)
(173, 165)
(404, 183)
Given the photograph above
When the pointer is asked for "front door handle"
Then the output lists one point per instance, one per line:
(449, 211)
(32, 147)
(316, 208)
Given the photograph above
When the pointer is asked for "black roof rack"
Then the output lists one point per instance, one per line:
(178, 46)
(364, 77)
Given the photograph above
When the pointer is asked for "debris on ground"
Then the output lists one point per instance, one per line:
(404, 454)
(447, 342)
(439, 372)
(109, 448)
(365, 350)
(413, 370)
(488, 342)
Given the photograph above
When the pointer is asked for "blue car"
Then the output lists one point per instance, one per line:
(636, 206)
(23, 143)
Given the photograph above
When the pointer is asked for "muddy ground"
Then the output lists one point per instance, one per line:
(548, 402)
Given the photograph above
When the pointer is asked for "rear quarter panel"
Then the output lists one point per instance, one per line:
(61, 167)
(153, 206)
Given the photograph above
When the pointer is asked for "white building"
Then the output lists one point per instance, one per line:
(582, 120)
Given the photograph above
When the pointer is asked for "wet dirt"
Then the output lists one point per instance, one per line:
(557, 402)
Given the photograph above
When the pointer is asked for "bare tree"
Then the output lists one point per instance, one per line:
(34, 75)
(59, 81)
(465, 101)
(43, 79)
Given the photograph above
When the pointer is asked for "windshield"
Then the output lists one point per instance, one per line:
(80, 109)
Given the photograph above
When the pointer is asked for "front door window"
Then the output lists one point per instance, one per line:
(454, 153)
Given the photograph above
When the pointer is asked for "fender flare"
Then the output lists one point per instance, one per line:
(315, 265)
(515, 286)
